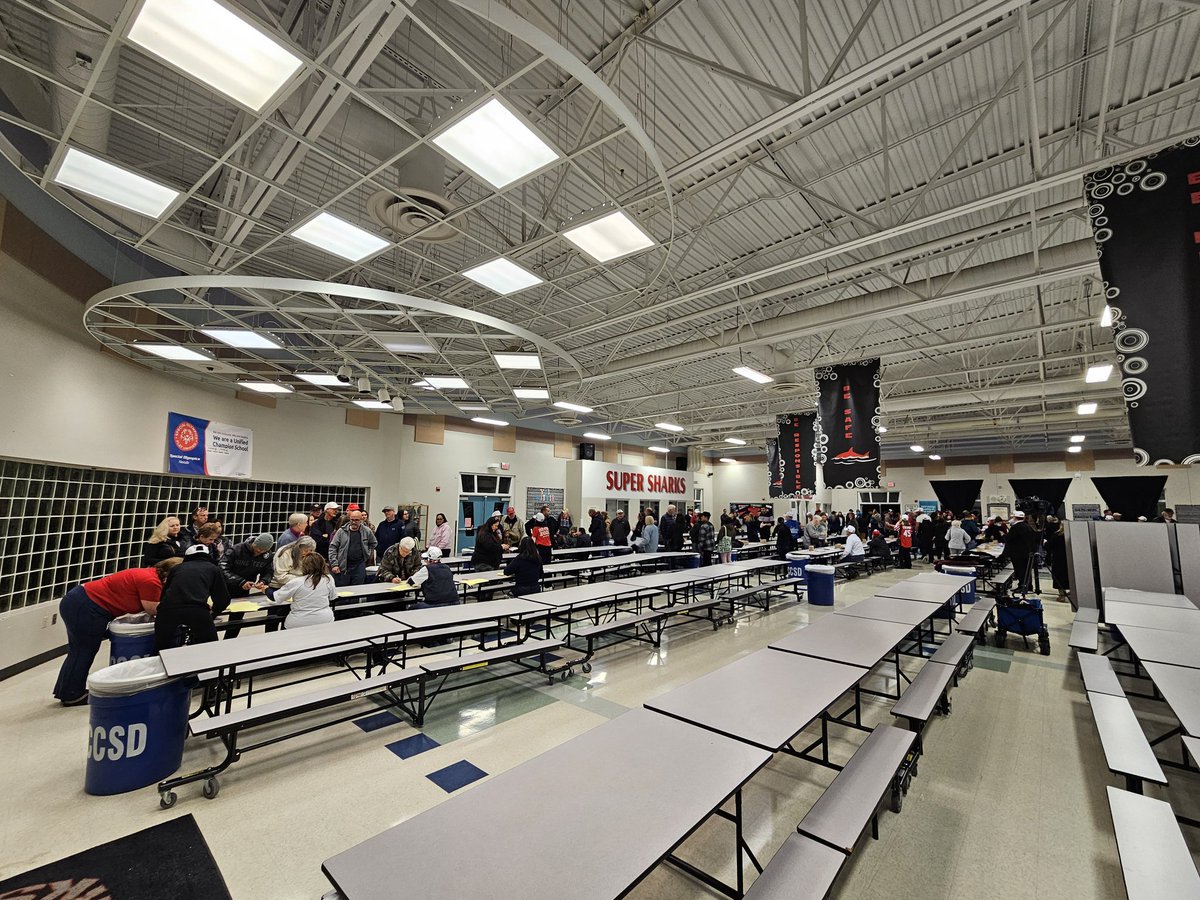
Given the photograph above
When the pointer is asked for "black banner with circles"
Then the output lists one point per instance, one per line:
(848, 417)
(1146, 223)
(794, 473)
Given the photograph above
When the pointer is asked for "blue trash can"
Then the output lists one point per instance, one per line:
(967, 593)
(130, 640)
(797, 563)
(138, 724)
(820, 585)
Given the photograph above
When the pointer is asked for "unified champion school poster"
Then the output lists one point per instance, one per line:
(202, 447)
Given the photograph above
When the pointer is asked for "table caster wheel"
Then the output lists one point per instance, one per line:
(897, 801)
(587, 667)
(167, 799)
(564, 675)
(211, 788)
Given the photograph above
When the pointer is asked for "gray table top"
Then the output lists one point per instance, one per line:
(765, 699)
(596, 814)
(939, 578)
(465, 613)
(1150, 598)
(558, 553)
(1155, 859)
(1165, 618)
(847, 639)
(1180, 687)
(890, 609)
(1156, 645)
(921, 591)
(196, 658)
(1122, 740)
(753, 565)
(681, 577)
(581, 594)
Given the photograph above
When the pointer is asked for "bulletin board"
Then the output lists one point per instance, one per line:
(537, 497)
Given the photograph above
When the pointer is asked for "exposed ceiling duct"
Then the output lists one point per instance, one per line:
(74, 50)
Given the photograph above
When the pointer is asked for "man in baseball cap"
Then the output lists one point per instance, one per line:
(435, 581)
(323, 529)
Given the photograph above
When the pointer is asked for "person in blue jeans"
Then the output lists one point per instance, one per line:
(350, 548)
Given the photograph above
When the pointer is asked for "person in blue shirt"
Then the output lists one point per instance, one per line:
(389, 531)
(793, 526)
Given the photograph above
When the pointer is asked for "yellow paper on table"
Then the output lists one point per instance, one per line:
(243, 606)
(345, 593)
(471, 582)
(401, 587)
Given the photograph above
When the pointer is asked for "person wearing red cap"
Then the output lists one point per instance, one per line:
(877, 546)
(511, 527)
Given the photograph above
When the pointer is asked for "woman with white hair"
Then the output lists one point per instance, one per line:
(289, 560)
(957, 538)
(165, 541)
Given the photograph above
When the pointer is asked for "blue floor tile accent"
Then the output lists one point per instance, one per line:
(412, 745)
(375, 721)
(455, 776)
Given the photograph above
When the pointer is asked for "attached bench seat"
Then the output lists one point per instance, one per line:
(1155, 861)
(852, 800)
(1085, 636)
(486, 658)
(802, 869)
(1126, 749)
(928, 693)
(956, 650)
(226, 723)
(975, 622)
(1099, 676)
(590, 632)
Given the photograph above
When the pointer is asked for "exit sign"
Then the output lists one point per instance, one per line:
(504, 468)
(891, 484)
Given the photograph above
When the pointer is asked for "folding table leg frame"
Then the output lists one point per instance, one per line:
(742, 850)
(900, 677)
(841, 718)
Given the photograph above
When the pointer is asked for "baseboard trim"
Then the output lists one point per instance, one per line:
(26, 664)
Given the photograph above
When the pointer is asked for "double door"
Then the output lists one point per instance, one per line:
(473, 511)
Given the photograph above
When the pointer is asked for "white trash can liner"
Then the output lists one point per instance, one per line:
(131, 677)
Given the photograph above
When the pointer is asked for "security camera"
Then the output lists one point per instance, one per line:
(343, 374)
(364, 384)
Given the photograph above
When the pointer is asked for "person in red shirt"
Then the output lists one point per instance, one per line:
(905, 538)
(537, 529)
(86, 611)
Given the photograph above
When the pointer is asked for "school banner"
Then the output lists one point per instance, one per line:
(1146, 224)
(774, 469)
(795, 473)
(201, 447)
(848, 418)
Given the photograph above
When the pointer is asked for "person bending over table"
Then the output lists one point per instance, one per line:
(311, 594)
(185, 599)
(400, 562)
(785, 542)
(86, 611)
(247, 568)
(854, 550)
(525, 569)
(489, 545)
(435, 581)
(878, 546)
(289, 561)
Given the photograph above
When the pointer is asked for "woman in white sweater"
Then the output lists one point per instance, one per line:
(311, 594)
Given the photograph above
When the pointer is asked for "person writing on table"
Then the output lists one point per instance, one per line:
(311, 594)
(435, 581)
(185, 601)
(86, 611)
(525, 569)
(400, 562)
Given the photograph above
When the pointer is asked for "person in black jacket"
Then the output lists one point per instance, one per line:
(785, 543)
(164, 542)
(525, 569)
(552, 523)
(389, 531)
(753, 529)
(325, 527)
(185, 601)
(247, 567)
(598, 529)
(1020, 545)
(620, 529)
(410, 525)
(435, 580)
(489, 547)
(1056, 557)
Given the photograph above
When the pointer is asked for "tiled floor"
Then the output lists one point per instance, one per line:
(1009, 803)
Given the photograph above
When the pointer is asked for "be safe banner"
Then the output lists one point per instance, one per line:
(848, 416)
(200, 447)
(1146, 223)
(795, 473)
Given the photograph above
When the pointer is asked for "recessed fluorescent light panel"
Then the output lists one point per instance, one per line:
(321, 379)
(503, 276)
(531, 393)
(573, 407)
(737, 441)
(445, 383)
(597, 436)
(403, 342)
(97, 178)
(658, 449)
(1098, 374)
(1077, 439)
(667, 426)
(214, 46)
(337, 236)
(1086, 409)
(883, 429)
(495, 144)
(242, 338)
(1074, 448)
(372, 404)
(518, 361)
(266, 387)
(483, 421)
(917, 448)
(726, 459)
(1106, 317)
(609, 237)
(173, 351)
(935, 456)
(753, 375)
(474, 408)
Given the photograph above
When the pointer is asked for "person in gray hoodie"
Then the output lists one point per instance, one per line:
(350, 549)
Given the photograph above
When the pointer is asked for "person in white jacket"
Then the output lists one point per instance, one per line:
(854, 550)
(311, 594)
(957, 538)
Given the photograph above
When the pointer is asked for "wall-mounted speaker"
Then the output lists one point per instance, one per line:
(681, 464)
(587, 451)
